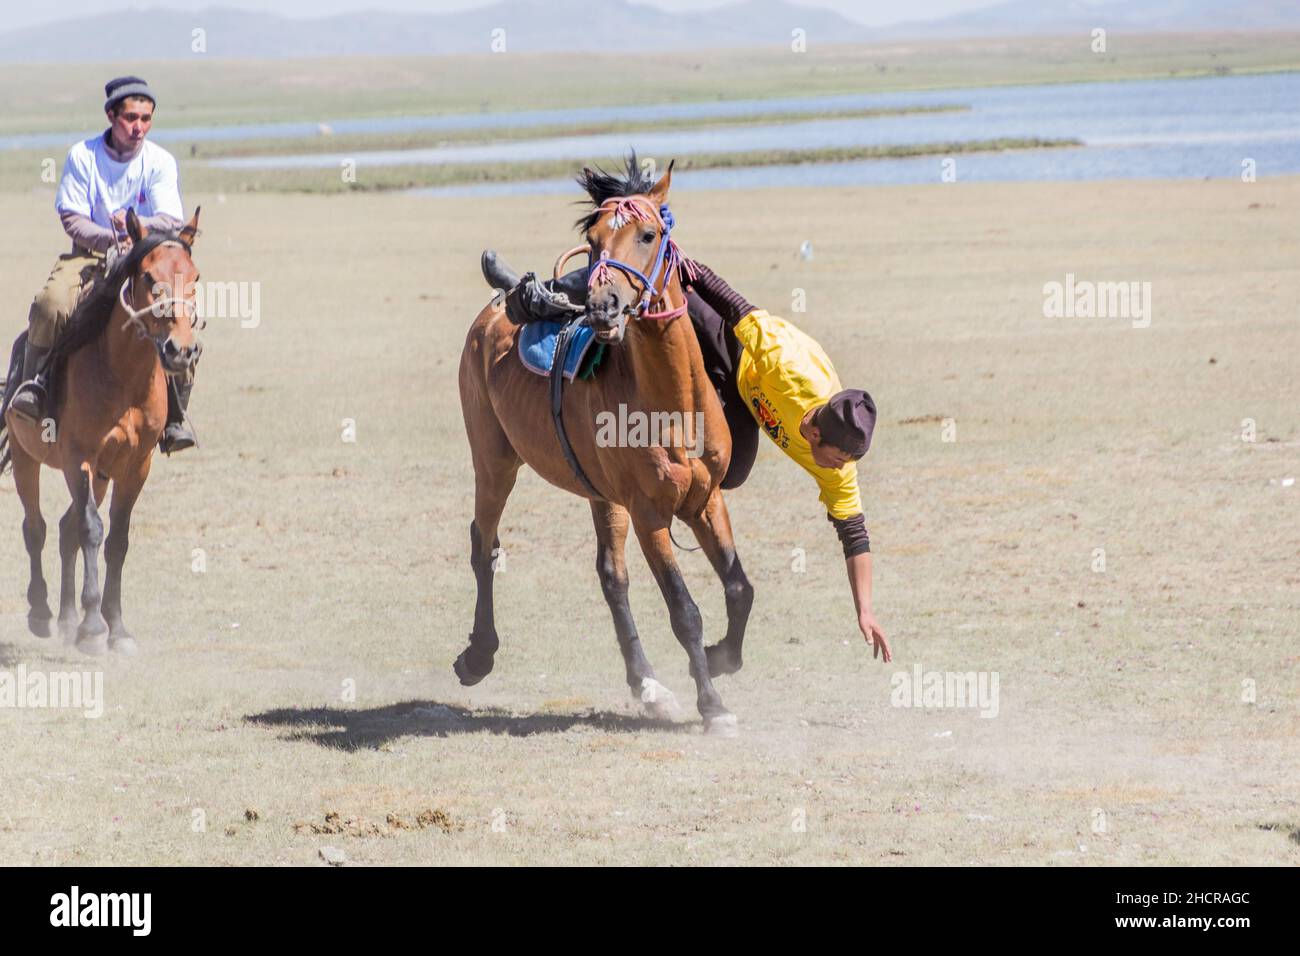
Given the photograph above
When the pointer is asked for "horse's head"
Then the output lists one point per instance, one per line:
(159, 295)
(632, 258)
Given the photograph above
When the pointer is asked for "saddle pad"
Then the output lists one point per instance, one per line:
(537, 350)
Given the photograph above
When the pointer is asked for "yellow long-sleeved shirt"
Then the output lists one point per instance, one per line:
(782, 374)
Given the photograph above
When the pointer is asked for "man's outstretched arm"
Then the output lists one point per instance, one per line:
(857, 558)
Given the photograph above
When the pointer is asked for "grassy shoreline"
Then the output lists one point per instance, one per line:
(418, 139)
(390, 178)
(21, 170)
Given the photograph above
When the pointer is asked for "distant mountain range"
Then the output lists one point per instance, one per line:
(1043, 17)
(581, 25)
(529, 26)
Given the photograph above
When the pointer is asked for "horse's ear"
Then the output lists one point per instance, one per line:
(191, 229)
(660, 191)
(134, 228)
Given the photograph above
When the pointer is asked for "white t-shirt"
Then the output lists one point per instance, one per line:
(96, 185)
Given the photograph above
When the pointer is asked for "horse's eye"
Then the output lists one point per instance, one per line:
(148, 279)
(647, 237)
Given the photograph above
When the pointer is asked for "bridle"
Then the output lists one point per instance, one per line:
(668, 257)
(134, 317)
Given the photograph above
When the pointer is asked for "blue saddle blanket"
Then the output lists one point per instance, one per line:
(537, 350)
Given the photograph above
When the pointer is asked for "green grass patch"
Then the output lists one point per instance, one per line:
(423, 139)
(385, 178)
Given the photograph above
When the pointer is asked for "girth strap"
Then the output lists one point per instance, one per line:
(562, 343)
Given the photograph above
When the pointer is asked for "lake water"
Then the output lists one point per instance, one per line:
(1192, 128)
(1175, 129)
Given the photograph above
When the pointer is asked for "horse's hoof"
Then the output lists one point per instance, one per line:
(123, 644)
(39, 623)
(68, 631)
(721, 660)
(466, 676)
(721, 725)
(659, 702)
(93, 644)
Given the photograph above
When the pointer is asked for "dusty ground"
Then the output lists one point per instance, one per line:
(1121, 692)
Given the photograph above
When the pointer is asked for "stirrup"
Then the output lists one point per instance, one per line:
(183, 439)
(34, 391)
(539, 302)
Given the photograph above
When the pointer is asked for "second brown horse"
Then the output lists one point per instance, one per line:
(135, 328)
(655, 367)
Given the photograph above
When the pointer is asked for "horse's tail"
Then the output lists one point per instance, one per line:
(11, 380)
(5, 460)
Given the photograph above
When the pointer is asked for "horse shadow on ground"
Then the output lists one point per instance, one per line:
(342, 728)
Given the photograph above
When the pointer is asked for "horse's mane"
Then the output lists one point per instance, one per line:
(601, 185)
(91, 314)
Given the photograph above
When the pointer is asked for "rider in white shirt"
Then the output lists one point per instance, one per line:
(103, 177)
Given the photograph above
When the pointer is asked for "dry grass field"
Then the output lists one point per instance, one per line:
(1121, 736)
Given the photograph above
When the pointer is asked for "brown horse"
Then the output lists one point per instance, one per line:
(652, 367)
(122, 342)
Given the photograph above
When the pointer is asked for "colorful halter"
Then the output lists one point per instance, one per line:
(668, 258)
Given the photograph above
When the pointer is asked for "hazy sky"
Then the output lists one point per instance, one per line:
(869, 12)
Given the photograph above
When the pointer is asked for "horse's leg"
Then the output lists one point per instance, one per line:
(611, 565)
(495, 467)
(92, 634)
(69, 545)
(713, 530)
(27, 479)
(125, 493)
(688, 626)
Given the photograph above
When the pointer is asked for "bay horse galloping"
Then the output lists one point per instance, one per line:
(134, 329)
(653, 366)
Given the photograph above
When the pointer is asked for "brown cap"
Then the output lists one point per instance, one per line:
(847, 421)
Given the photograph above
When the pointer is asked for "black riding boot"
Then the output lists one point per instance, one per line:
(497, 273)
(556, 300)
(29, 397)
(177, 436)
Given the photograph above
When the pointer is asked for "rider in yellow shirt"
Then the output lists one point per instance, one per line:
(783, 374)
(788, 384)
(766, 371)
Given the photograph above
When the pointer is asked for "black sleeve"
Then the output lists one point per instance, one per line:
(853, 534)
(722, 298)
